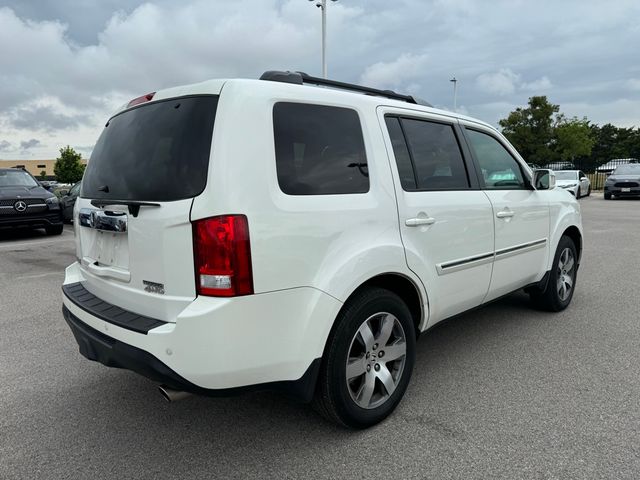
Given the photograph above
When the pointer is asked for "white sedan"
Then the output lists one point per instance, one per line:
(574, 181)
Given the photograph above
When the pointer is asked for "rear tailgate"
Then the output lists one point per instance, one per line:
(134, 235)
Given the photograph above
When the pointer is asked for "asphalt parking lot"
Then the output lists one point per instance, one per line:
(503, 392)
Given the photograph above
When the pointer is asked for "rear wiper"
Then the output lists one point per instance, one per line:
(134, 205)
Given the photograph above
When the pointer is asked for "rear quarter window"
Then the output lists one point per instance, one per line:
(319, 150)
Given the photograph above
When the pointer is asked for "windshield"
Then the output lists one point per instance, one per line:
(566, 175)
(627, 170)
(159, 151)
(16, 178)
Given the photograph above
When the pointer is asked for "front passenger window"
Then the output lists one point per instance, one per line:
(500, 171)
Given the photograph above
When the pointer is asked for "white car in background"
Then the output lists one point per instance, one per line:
(574, 181)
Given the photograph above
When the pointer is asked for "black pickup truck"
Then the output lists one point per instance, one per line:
(25, 203)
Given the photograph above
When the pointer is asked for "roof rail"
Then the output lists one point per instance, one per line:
(300, 78)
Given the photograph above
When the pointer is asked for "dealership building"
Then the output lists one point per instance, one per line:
(34, 167)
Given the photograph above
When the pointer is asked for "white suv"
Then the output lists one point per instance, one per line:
(297, 234)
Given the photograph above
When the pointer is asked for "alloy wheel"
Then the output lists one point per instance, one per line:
(566, 265)
(376, 360)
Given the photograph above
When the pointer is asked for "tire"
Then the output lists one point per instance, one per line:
(589, 191)
(559, 290)
(359, 334)
(54, 229)
(579, 193)
(607, 196)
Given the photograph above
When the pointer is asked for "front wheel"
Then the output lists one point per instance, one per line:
(579, 193)
(562, 278)
(368, 360)
(607, 196)
(589, 191)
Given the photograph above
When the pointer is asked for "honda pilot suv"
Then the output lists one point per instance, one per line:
(296, 234)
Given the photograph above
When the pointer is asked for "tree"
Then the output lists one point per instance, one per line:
(530, 130)
(68, 167)
(573, 138)
(43, 175)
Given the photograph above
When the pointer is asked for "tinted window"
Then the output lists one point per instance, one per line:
(159, 151)
(319, 150)
(16, 178)
(400, 151)
(499, 169)
(436, 155)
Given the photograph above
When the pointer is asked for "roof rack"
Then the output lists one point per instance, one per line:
(300, 78)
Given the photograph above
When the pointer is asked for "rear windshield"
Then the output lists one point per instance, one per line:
(159, 151)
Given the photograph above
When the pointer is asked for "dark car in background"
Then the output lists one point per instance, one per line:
(68, 201)
(26, 203)
(624, 181)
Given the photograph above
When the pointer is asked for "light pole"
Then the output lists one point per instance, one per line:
(322, 5)
(455, 93)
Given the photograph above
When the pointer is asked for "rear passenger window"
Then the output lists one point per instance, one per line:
(319, 150)
(499, 169)
(436, 155)
(400, 151)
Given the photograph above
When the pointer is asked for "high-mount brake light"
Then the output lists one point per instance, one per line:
(141, 99)
(222, 256)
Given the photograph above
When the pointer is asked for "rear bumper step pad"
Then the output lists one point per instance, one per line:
(87, 301)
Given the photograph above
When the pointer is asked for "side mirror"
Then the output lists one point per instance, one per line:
(544, 179)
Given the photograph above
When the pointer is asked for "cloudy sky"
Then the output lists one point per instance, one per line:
(65, 65)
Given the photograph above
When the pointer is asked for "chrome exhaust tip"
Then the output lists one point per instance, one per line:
(171, 395)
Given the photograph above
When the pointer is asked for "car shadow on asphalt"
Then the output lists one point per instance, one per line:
(8, 235)
(128, 399)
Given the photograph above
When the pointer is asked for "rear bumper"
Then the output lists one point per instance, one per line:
(45, 219)
(215, 346)
(113, 353)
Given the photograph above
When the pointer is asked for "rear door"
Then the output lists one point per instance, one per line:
(446, 221)
(521, 214)
(134, 236)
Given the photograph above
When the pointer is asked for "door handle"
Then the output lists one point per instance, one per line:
(505, 214)
(416, 222)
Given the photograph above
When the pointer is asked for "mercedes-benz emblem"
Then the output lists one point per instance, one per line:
(20, 206)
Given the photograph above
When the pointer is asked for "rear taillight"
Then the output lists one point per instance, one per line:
(222, 256)
(141, 99)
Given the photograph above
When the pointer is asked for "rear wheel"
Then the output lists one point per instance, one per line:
(562, 279)
(368, 360)
(54, 229)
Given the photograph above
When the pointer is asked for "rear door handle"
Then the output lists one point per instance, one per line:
(416, 222)
(505, 214)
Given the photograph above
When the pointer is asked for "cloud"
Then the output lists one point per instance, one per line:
(502, 82)
(633, 84)
(29, 144)
(5, 146)
(506, 82)
(403, 71)
(538, 86)
(44, 118)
